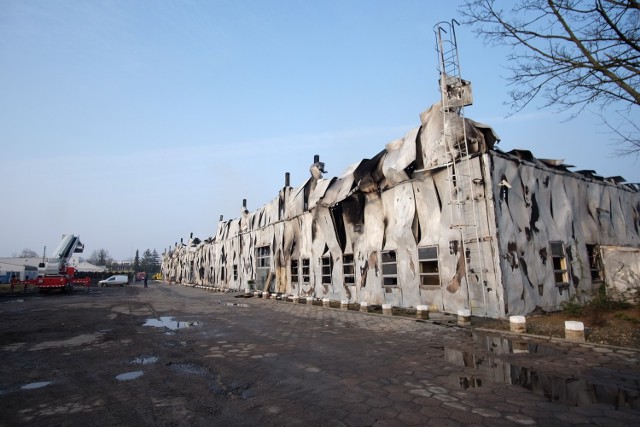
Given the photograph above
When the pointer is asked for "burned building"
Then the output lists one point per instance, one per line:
(421, 224)
(440, 217)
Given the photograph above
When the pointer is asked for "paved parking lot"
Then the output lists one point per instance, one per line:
(174, 355)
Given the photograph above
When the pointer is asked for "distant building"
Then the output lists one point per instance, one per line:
(26, 268)
(121, 266)
(86, 267)
(20, 267)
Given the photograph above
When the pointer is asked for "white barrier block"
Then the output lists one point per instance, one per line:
(573, 330)
(518, 324)
(464, 317)
(422, 312)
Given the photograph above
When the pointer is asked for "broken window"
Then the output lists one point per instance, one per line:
(327, 268)
(263, 254)
(560, 269)
(389, 268)
(294, 272)
(429, 271)
(595, 265)
(348, 270)
(235, 272)
(305, 270)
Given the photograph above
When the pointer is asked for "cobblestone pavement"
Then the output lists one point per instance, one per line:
(254, 361)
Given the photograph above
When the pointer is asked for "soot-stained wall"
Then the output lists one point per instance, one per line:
(387, 230)
(553, 228)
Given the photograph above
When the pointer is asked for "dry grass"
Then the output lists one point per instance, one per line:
(616, 326)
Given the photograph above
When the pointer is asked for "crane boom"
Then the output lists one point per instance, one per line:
(54, 271)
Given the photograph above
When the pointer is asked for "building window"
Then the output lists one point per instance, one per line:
(595, 264)
(294, 272)
(235, 272)
(429, 271)
(327, 268)
(560, 269)
(305, 270)
(348, 270)
(223, 276)
(389, 268)
(263, 256)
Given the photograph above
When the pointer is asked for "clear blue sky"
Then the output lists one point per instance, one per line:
(134, 123)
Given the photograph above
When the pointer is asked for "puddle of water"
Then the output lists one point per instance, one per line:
(554, 386)
(33, 386)
(500, 345)
(236, 304)
(169, 323)
(129, 375)
(144, 360)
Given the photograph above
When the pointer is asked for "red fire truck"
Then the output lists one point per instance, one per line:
(54, 271)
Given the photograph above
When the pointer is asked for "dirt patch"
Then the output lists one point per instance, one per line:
(619, 327)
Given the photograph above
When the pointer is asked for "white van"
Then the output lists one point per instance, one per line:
(119, 279)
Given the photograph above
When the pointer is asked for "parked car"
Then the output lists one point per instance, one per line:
(119, 279)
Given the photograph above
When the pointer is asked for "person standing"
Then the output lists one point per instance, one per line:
(146, 277)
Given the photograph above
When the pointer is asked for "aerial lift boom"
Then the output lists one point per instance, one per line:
(54, 272)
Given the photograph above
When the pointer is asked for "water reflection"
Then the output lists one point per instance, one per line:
(500, 345)
(555, 386)
(129, 376)
(32, 386)
(169, 323)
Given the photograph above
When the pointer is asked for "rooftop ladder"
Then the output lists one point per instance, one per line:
(455, 95)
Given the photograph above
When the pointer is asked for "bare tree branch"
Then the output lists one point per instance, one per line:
(571, 53)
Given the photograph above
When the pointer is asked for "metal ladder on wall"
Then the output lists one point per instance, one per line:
(464, 206)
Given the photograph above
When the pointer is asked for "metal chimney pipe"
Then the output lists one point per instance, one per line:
(316, 158)
(221, 218)
(244, 203)
(287, 177)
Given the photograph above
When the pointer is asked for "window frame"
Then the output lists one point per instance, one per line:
(326, 269)
(295, 271)
(263, 256)
(559, 263)
(595, 263)
(389, 268)
(426, 263)
(348, 269)
(306, 270)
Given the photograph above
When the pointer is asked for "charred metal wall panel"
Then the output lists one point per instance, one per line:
(542, 209)
(401, 219)
(385, 232)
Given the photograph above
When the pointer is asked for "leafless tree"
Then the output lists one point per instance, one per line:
(100, 257)
(574, 54)
(27, 253)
